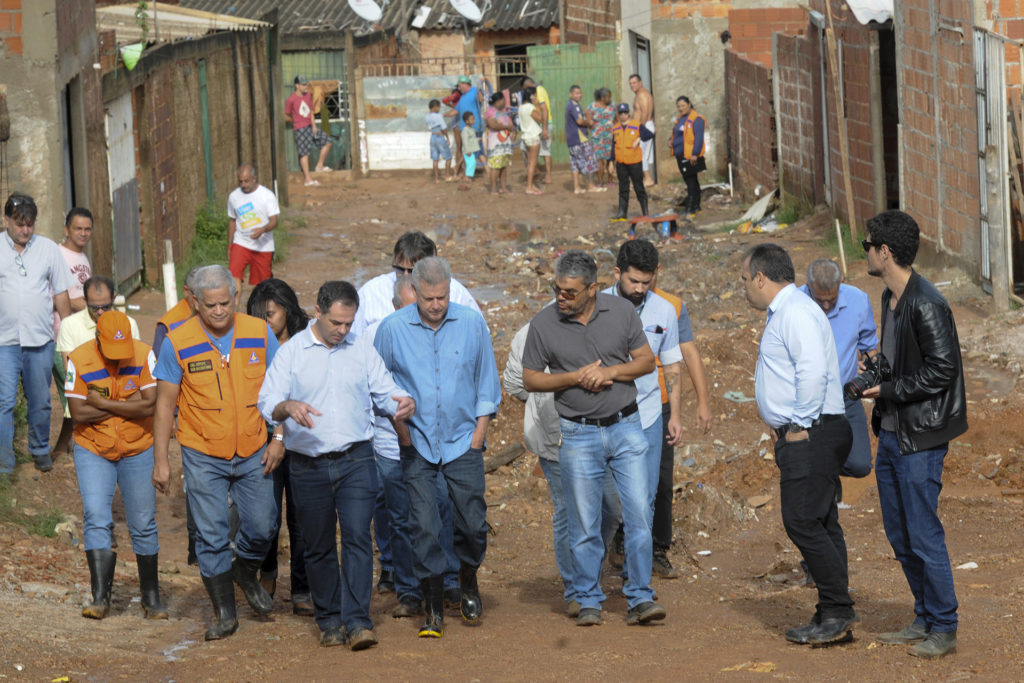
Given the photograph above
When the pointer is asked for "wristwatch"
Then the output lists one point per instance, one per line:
(279, 437)
(794, 428)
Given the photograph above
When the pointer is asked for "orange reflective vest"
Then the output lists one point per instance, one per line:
(677, 303)
(688, 136)
(217, 412)
(115, 437)
(179, 313)
(625, 135)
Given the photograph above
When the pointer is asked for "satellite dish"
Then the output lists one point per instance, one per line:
(468, 9)
(367, 9)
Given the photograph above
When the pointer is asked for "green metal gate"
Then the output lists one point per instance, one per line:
(557, 67)
(320, 65)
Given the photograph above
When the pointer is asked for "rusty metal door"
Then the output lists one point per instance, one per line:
(124, 194)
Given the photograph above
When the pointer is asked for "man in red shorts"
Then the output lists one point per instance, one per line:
(252, 217)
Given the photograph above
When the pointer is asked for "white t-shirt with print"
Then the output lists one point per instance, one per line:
(252, 211)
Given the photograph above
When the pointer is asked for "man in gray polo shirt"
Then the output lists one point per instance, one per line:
(34, 280)
(594, 346)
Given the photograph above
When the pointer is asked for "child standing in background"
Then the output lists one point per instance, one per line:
(439, 147)
(470, 146)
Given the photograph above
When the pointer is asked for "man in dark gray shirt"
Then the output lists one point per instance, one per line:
(594, 347)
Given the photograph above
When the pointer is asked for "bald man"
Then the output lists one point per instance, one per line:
(252, 217)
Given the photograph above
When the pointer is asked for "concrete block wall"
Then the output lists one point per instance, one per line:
(797, 76)
(939, 126)
(751, 124)
(752, 29)
(588, 21)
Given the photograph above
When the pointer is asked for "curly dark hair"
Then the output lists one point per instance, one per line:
(898, 231)
(639, 254)
(281, 293)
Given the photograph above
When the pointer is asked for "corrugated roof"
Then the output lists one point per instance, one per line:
(169, 24)
(296, 16)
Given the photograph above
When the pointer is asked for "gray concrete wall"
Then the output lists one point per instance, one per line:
(636, 17)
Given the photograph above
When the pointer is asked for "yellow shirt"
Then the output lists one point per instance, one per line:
(543, 98)
(78, 328)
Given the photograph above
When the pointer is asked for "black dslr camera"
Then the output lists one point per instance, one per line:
(876, 371)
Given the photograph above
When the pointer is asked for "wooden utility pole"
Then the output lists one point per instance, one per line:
(844, 142)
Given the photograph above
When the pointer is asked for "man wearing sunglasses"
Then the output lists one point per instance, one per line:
(594, 346)
(34, 280)
(79, 328)
(919, 409)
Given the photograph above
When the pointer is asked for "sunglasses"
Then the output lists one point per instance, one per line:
(867, 244)
(402, 271)
(22, 201)
(100, 308)
(567, 294)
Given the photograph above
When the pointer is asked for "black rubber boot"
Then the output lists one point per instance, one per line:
(643, 208)
(433, 598)
(622, 214)
(245, 576)
(101, 577)
(222, 593)
(149, 585)
(471, 605)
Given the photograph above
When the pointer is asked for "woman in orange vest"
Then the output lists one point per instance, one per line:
(688, 148)
(628, 162)
(111, 394)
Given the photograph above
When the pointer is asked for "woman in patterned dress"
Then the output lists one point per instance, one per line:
(602, 114)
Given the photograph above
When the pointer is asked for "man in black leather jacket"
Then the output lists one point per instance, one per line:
(920, 405)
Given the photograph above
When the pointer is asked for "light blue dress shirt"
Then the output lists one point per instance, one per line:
(853, 326)
(661, 325)
(385, 440)
(450, 372)
(28, 282)
(347, 383)
(797, 376)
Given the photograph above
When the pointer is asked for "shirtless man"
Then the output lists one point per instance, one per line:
(643, 111)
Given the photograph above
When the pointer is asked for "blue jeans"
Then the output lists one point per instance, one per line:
(208, 482)
(464, 481)
(654, 437)
(586, 452)
(97, 478)
(332, 493)
(908, 492)
(560, 521)
(389, 473)
(858, 463)
(296, 546)
(34, 365)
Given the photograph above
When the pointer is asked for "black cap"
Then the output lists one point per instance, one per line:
(301, 80)
(622, 108)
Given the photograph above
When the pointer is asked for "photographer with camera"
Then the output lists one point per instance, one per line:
(918, 410)
(849, 313)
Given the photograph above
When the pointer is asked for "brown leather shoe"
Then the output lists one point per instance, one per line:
(302, 606)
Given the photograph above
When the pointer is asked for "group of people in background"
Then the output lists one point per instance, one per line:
(604, 140)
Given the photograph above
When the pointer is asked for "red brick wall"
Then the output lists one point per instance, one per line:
(940, 194)
(10, 26)
(680, 9)
(159, 108)
(798, 80)
(751, 123)
(588, 21)
(752, 29)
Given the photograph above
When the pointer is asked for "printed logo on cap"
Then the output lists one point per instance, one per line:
(118, 336)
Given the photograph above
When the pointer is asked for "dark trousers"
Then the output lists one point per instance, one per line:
(296, 546)
(464, 477)
(661, 530)
(634, 173)
(809, 475)
(330, 492)
(858, 462)
(690, 177)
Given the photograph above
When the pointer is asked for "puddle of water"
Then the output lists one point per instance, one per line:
(488, 294)
(171, 653)
(985, 382)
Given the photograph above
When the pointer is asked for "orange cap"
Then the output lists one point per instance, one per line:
(115, 334)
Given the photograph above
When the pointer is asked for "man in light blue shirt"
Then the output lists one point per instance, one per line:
(441, 353)
(800, 397)
(325, 389)
(34, 280)
(849, 312)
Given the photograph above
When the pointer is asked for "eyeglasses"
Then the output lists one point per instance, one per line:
(867, 244)
(400, 270)
(21, 265)
(100, 308)
(567, 294)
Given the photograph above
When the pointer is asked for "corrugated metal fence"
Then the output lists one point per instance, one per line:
(558, 67)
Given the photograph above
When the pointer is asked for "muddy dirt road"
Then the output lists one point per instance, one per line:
(732, 604)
